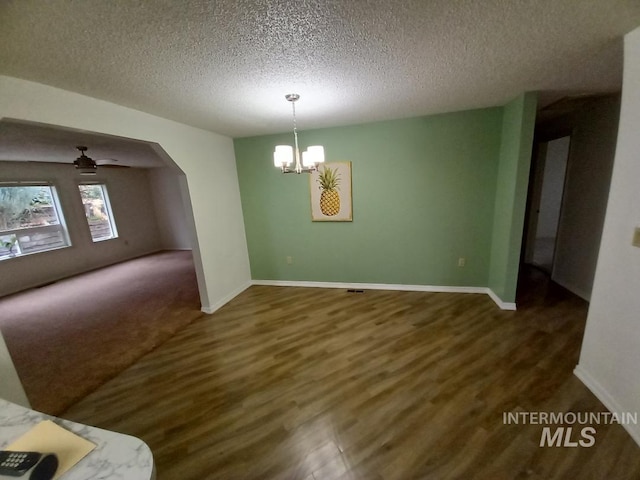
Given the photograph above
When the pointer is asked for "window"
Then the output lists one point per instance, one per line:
(98, 211)
(30, 220)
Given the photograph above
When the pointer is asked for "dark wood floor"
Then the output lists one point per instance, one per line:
(301, 383)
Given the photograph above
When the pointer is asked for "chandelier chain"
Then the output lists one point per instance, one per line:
(295, 129)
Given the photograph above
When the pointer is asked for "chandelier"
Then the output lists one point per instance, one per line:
(285, 155)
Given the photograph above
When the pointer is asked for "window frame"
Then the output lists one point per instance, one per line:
(60, 227)
(107, 206)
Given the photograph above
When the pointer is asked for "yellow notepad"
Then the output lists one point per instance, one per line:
(47, 437)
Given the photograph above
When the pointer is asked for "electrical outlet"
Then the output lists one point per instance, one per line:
(289, 260)
(462, 261)
(636, 237)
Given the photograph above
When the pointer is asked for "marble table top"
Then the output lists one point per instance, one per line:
(116, 455)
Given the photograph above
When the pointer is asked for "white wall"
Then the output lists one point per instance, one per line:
(591, 156)
(206, 158)
(133, 210)
(10, 386)
(170, 211)
(610, 357)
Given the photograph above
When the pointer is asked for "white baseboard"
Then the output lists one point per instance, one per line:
(499, 302)
(226, 299)
(608, 401)
(362, 286)
(390, 286)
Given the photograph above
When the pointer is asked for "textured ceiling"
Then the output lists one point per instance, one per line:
(226, 65)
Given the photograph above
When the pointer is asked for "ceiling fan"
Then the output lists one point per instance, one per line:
(84, 164)
(87, 166)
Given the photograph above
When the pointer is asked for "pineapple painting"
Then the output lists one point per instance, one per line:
(330, 188)
(329, 198)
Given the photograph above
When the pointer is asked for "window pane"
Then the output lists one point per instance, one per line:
(98, 212)
(40, 240)
(9, 246)
(30, 221)
(24, 207)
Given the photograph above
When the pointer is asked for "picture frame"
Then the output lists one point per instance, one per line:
(330, 193)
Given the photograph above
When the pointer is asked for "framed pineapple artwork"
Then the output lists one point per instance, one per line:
(330, 188)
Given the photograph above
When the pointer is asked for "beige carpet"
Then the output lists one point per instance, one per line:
(68, 338)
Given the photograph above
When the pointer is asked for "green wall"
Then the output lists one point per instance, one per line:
(424, 193)
(511, 195)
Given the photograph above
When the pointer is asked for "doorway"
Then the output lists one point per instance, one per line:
(548, 184)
